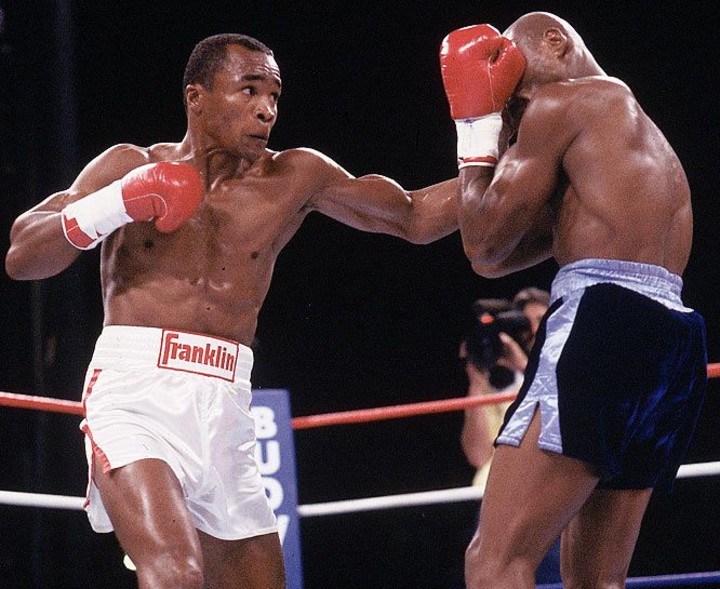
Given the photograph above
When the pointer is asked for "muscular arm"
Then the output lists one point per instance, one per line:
(505, 219)
(378, 204)
(38, 247)
(535, 247)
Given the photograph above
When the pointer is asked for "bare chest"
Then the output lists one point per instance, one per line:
(230, 235)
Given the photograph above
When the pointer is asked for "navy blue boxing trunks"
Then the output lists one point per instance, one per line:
(618, 372)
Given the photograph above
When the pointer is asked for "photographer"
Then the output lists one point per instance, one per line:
(495, 354)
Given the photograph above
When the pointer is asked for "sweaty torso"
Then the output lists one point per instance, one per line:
(212, 274)
(622, 193)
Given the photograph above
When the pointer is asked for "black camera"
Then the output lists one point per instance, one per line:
(483, 344)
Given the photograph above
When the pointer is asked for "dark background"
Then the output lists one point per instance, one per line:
(352, 320)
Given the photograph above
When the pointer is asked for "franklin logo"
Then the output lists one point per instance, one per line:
(199, 354)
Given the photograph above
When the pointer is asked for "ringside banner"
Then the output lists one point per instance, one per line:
(275, 453)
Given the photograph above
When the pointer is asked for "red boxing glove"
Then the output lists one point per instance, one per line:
(169, 192)
(480, 70)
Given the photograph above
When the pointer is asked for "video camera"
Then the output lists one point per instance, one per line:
(483, 344)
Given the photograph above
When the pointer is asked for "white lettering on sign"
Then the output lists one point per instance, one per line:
(265, 426)
(267, 456)
(269, 460)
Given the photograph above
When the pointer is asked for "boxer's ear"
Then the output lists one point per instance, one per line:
(557, 41)
(193, 97)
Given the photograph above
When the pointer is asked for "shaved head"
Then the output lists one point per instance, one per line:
(532, 26)
(552, 47)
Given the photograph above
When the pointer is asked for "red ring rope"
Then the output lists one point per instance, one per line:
(310, 421)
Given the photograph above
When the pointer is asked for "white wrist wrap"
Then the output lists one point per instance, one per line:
(478, 140)
(88, 221)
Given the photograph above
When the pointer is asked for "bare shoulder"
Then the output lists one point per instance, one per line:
(582, 98)
(308, 167)
(126, 153)
(561, 110)
(163, 152)
(305, 158)
(117, 160)
(309, 174)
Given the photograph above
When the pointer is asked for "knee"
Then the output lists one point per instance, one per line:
(491, 570)
(477, 574)
(172, 573)
(485, 572)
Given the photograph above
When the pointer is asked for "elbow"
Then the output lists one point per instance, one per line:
(419, 238)
(489, 270)
(418, 235)
(423, 228)
(15, 268)
(486, 261)
(13, 265)
(16, 262)
(19, 267)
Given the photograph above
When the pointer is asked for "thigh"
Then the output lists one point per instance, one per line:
(606, 527)
(146, 506)
(251, 563)
(531, 495)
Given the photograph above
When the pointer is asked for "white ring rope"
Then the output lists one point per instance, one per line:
(700, 469)
(41, 500)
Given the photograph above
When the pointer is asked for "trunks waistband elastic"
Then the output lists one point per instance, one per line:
(173, 349)
(652, 281)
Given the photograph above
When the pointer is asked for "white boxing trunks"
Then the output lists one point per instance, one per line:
(183, 398)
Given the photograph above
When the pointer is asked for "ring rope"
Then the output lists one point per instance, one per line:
(679, 580)
(456, 495)
(20, 401)
(396, 411)
(309, 421)
(472, 493)
(41, 500)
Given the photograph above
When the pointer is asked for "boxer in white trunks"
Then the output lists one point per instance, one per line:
(190, 233)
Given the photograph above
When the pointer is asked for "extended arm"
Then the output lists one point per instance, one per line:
(380, 205)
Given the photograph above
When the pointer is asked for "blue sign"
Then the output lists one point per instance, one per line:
(275, 454)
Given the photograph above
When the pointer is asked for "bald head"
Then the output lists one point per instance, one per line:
(553, 48)
(532, 26)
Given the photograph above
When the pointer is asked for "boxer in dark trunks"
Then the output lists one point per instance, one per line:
(557, 159)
